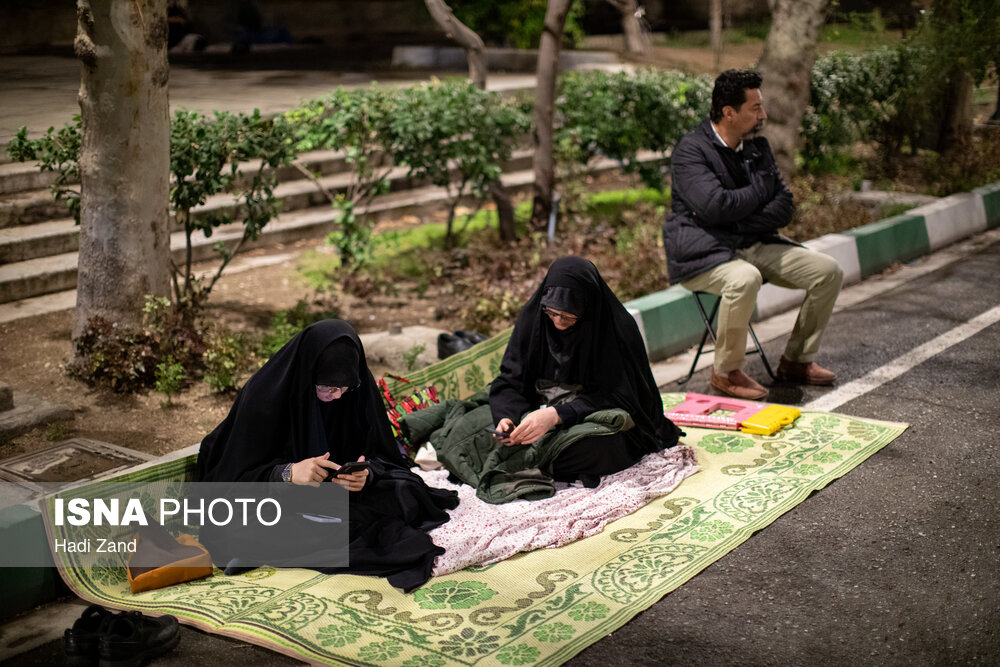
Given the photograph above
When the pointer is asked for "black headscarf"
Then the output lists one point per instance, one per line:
(277, 418)
(603, 352)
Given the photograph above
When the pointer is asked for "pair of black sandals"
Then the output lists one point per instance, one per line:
(126, 639)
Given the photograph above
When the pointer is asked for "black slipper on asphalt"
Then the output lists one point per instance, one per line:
(130, 639)
(81, 642)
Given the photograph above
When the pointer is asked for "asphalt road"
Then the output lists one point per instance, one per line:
(897, 563)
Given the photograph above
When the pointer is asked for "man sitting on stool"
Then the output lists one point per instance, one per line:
(728, 201)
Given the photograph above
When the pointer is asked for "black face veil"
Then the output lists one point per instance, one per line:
(603, 351)
(278, 419)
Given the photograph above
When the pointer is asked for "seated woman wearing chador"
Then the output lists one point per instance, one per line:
(575, 350)
(311, 408)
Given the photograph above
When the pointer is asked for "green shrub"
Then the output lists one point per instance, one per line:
(207, 157)
(456, 136)
(229, 357)
(619, 114)
(517, 23)
(357, 122)
(854, 98)
(170, 377)
(112, 357)
(127, 360)
(57, 151)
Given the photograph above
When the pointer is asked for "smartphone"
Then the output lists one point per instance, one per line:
(497, 434)
(352, 466)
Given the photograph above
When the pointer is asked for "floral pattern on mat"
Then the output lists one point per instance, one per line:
(535, 608)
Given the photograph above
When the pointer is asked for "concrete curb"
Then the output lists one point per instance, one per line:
(669, 320)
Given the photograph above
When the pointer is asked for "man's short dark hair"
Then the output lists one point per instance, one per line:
(731, 90)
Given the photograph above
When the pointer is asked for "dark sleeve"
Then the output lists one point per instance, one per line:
(574, 412)
(512, 393)
(777, 212)
(700, 188)
(276, 472)
(506, 399)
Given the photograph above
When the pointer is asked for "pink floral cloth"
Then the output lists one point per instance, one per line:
(479, 533)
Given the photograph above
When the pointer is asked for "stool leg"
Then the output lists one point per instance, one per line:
(760, 351)
(709, 331)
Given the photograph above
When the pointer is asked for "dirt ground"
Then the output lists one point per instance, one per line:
(34, 351)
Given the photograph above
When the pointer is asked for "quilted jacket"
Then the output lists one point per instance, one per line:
(721, 200)
(500, 473)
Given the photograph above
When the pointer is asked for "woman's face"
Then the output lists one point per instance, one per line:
(561, 319)
(327, 394)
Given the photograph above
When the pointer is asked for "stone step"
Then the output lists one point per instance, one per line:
(40, 239)
(305, 193)
(30, 207)
(47, 275)
(294, 188)
(22, 176)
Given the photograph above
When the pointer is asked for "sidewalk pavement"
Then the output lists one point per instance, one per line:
(41, 91)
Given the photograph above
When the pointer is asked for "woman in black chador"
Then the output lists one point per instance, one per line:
(576, 350)
(310, 409)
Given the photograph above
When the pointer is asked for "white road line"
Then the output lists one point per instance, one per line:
(900, 365)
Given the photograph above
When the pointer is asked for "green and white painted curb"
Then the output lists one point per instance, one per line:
(669, 320)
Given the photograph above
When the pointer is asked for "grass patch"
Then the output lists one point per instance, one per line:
(611, 205)
(984, 95)
(701, 39)
(858, 29)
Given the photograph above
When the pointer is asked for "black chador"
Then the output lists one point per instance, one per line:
(598, 362)
(278, 419)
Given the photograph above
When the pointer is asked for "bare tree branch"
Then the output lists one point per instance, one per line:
(465, 37)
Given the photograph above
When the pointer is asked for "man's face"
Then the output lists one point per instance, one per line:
(750, 117)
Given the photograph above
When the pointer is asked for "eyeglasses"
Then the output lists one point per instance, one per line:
(568, 319)
(327, 389)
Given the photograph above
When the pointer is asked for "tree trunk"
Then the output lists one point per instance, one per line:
(124, 159)
(505, 211)
(637, 42)
(475, 51)
(956, 125)
(464, 36)
(545, 92)
(715, 27)
(786, 64)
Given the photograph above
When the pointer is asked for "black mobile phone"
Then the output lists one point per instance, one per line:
(497, 434)
(352, 466)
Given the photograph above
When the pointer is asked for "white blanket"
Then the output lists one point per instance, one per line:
(479, 533)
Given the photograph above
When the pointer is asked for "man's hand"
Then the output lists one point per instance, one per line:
(533, 426)
(312, 471)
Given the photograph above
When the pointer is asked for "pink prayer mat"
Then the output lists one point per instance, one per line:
(479, 533)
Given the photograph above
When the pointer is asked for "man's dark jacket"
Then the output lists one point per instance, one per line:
(722, 200)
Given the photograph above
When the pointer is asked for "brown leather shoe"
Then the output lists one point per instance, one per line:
(804, 373)
(739, 385)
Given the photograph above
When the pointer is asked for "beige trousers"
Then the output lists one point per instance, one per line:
(738, 282)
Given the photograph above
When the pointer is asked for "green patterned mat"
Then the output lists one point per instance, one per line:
(538, 608)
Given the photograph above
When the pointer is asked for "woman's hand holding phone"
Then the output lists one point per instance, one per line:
(350, 475)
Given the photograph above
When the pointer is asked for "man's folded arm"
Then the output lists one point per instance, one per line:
(703, 192)
(770, 217)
